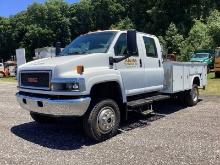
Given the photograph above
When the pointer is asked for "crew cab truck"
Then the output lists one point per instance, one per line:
(101, 76)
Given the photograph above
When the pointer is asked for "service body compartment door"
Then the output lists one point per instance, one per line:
(178, 75)
(187, 82)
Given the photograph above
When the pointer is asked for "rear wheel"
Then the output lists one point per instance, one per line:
(102, 121)
(43, 119)
(192, 96)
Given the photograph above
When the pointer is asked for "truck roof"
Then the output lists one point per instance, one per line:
(115, 30)
(204, 51)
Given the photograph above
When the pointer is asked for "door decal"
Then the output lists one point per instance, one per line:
(130, 62)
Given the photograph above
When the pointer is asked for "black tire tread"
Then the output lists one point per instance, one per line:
(189, 101)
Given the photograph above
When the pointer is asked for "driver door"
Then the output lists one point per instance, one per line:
(131, 68)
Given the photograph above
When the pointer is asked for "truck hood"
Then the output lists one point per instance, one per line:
(52, 61)
(66, 64)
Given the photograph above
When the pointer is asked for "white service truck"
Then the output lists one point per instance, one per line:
(101, 76)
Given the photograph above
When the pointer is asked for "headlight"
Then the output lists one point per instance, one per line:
(72, 86)
(77, 86)
(206, 60)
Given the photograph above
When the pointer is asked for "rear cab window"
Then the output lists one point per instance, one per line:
(150, 47)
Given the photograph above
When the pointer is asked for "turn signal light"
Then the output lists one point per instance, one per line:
(80, 69)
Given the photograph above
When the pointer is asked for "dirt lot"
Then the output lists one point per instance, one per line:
(174, 135)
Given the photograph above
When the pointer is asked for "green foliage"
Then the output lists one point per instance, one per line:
(198, 38)
(107, 12)
(183, 26)
(81, 17)
(173, 39)
(213, 23)
(123, 24)
(5, 37)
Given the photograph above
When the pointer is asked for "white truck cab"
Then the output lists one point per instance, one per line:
(100, 76)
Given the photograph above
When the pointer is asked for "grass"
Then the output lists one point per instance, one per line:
(8, 79)
(213, 86)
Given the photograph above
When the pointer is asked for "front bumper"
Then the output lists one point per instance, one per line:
(54, 107)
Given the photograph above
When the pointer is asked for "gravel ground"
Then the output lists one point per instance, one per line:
(173, 135)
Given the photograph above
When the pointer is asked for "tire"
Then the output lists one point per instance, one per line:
(102, 120)
(192, 96)
(42, 119)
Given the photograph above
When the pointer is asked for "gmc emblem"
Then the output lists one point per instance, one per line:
(32, 79)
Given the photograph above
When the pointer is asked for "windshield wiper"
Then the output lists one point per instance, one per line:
(74, 53)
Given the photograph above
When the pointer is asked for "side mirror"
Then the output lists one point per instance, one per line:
(131, 42)
(58, 48)
(131, 47)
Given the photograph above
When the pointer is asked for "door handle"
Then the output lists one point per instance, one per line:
(140, 63)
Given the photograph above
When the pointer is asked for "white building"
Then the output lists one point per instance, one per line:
(45, 52)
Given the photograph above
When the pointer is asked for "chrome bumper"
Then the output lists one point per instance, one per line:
(58, 107)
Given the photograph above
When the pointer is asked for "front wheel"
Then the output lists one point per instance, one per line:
(102, 121)
(192, 96)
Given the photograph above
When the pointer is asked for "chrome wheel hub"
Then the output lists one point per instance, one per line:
(195, 94)
(106, 119)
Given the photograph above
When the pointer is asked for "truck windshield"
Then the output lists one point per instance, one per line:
(201, 55)
(98, 42)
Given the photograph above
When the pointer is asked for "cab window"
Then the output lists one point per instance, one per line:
(121, 45)
(150, 46)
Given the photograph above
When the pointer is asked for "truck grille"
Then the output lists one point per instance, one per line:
(35, 79)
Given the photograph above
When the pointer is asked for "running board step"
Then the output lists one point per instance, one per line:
(159, 97)
(138, 103)
(145, 101)
(147, 112)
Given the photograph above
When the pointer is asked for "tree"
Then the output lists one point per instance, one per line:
(125, 23)
(37, 37)
(82, 17)
(55, 20)
(213, 23)
(198, 38)
(173, 40)
(107, 12)
(40, 26)
(5, 38)
(52, 15)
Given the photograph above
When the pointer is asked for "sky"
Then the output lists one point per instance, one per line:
(11, 7)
